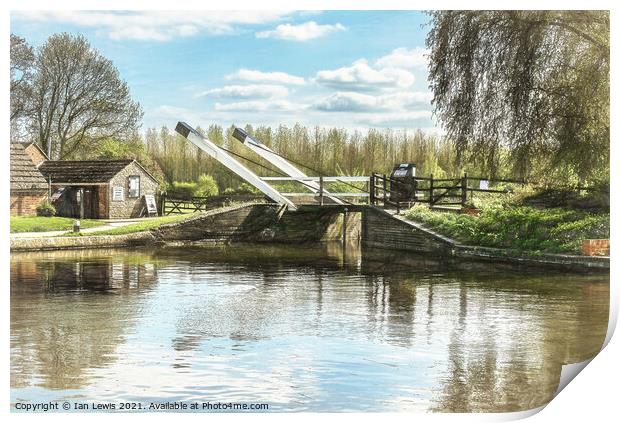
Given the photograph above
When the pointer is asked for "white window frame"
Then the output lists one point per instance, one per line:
(129, 191)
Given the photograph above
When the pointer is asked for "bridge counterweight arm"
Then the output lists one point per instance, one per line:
(227, 160)
(279, 162)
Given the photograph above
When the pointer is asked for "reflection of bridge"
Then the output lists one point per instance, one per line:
(376, 189)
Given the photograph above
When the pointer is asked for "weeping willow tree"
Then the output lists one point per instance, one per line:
(530, 88)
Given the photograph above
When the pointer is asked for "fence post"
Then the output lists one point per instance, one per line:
(464, 190)
(430, 192)
(371, 197)
(163, 203)
(384, 191)
(321, 190)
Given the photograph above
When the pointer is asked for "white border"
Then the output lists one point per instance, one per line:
(590, 396)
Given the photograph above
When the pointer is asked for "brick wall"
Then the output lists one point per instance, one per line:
(129, 207)
(25, 203)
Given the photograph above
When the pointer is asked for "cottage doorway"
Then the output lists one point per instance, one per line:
(90, 203)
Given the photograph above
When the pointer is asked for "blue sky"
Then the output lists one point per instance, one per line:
(352, 69)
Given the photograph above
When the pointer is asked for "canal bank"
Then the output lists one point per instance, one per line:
(269, 223)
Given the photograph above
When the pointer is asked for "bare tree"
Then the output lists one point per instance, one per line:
(78, 97)
(22, 61)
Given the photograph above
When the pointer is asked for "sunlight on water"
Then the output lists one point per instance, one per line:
(304, 328)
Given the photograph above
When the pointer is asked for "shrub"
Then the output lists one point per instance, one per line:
(46, 209)
(184, 190)
(206, 186)
(243, 189)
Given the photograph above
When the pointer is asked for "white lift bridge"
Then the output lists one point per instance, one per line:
(313, 183)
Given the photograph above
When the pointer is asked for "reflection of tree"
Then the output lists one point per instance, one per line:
(69, 314)
(511, 336)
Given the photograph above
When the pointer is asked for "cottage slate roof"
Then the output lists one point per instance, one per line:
(82, 171)
(24, 173)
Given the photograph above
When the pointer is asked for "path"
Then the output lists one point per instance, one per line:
(109, 224)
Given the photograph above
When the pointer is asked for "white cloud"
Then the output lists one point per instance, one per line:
(404, 58)
(348, 101)
(406, 99)
(247, 91)
(154, 25)
(361, 77)
(357, 102)
(302, 32)
(258, 76)
(260, 106)
(411, 119)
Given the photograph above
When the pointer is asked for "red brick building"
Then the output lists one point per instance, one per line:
(29, 187)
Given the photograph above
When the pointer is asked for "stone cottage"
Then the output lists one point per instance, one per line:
(99, 189)
(29, 188)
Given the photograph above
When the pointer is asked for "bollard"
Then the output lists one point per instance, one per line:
(76, 226)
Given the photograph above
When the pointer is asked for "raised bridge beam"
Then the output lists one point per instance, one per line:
(227, 160)
(280, 162)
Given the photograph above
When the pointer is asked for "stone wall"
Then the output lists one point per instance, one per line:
(264, 223)
(24, 203)
(382, 230)
(80, 242)
(129, 207)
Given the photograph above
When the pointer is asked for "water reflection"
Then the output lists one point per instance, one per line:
(63, 320)
(308, 328)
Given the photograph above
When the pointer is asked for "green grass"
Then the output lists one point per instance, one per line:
(46, 224)
(139, 227)
(554, 230)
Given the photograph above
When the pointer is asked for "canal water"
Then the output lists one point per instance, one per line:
(299, 328)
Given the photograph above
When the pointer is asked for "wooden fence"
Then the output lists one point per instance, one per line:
(435, 192)
(170, 205)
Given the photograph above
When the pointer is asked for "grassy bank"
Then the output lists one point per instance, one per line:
(140, 226)
(511, 224)
(47, 224)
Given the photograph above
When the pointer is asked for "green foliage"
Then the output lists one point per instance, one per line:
(595, 201)
(46, 209)
(518, 227)
(243, 189)
(206, 186)
(46, 224)
(182, 190)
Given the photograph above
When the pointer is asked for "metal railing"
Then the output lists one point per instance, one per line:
(323, 193)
